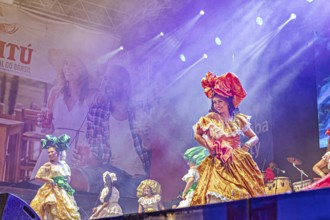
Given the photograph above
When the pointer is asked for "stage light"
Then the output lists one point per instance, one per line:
(217, 41)
(182, 58)
(161, 34)
(293, 16)
(201, 12)
(205, 56)
(309, 1)
(121, 48)
(259, 21)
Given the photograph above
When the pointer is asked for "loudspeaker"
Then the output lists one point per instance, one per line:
(12, 207)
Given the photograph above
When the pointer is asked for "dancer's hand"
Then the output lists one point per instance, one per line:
(212, 153)
(183, 196)
(52, 182)
(245, 148)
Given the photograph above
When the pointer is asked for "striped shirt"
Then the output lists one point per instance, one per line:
(98, 134)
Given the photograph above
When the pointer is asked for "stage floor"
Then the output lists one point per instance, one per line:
(308, 205)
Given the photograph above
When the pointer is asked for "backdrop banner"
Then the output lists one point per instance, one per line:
(27, 42)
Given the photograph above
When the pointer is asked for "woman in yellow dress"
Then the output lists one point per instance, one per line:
(229, 173)
(54, 199)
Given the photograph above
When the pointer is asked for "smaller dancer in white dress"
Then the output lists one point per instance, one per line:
(149, 194)
(109, 198)
(194, 156)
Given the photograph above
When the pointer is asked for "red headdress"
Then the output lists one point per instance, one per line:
(226, 85)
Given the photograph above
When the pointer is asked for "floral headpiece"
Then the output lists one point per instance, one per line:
(61, 142)
(226, 85)
(196, 155)
(153, 184)
(113, 176)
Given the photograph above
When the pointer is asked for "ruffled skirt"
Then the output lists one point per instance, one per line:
(322, 183)
(112, 209)
(187, 201)
(54, 203)
(238, 178)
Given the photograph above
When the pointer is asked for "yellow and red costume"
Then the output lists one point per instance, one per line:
(230, 173)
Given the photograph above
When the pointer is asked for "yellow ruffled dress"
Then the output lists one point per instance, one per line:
(53, 202)
(235, 175)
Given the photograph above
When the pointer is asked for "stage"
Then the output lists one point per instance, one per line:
(296, 205)
(301, 205)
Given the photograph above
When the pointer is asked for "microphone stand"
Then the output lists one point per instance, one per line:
(301, 174)
(277, 180)
(279, 170)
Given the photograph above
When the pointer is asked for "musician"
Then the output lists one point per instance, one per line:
(270, 171)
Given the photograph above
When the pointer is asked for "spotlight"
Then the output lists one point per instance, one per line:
(121, 48)
(259, 21)
(217, 41)
(293, 16)
(309, 1)
(201, 12)
(182, 58)
(161, 34)
(205, 56)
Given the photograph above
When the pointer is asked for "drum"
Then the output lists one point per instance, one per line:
(298, 186)
(269, 188)
(278, 186)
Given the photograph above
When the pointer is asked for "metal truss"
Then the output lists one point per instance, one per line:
(106, 15)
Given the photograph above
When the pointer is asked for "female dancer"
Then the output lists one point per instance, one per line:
(54, 199)
(109, 198)
(149, 196)
(194, 156)
(229, 173)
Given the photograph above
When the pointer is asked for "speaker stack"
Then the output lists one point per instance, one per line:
(12, 208)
